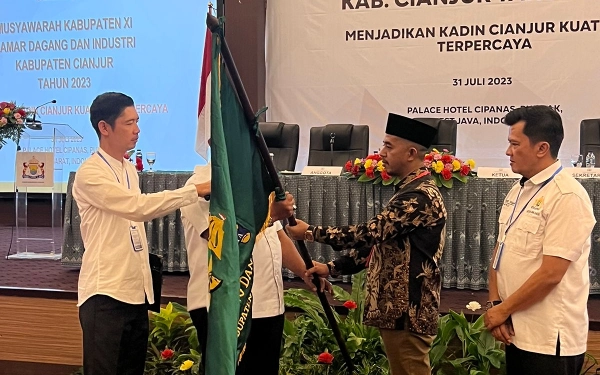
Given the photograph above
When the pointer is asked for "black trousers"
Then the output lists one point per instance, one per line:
(262, 348)
(521, 362)
(200, 321)
(115, 336)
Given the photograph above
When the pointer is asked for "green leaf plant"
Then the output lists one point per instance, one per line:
(308, 335)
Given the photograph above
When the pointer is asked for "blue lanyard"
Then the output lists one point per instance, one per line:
(107, 163)
(510, 220)
(132, 228)
(496, 260)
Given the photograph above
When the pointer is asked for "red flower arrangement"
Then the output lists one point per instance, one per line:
(12, 119)
(167, 354)
(369, 169)
(445, 167)
(350, 305)
(325, 358)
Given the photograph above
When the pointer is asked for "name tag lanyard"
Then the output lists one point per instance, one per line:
(496, 262)
(134, 234)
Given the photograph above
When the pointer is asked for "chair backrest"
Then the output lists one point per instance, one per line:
(589, 137)
(446, 137)
(282, 140)
(350, 142)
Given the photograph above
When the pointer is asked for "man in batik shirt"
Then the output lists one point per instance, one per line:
(400, 248)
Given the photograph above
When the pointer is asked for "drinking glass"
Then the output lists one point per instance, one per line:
(150, 158)
(576, 160)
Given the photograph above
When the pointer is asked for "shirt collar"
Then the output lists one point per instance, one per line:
(545, 174)
(114, 163)
(421, 171)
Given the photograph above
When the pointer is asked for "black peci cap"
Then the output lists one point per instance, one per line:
(411, 130)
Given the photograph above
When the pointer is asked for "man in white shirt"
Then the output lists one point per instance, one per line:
(539, 274)
(272, 250)
(115, 284)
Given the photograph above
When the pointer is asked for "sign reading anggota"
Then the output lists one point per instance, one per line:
(353, 61)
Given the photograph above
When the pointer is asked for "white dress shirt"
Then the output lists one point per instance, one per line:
(267, 289)
(557, 221)
(195, 221)
(110, 202)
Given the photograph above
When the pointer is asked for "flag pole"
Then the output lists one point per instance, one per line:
(213, 24)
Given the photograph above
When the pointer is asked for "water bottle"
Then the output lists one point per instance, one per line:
(592, 160)
(139, 160)
(588, 160)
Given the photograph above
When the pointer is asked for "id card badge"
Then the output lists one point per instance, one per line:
(136, 239)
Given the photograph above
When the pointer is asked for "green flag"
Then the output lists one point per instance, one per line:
(239, 206)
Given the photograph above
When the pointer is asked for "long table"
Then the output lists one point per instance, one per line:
(472, 224)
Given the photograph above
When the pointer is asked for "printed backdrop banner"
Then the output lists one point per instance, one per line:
(353, 61)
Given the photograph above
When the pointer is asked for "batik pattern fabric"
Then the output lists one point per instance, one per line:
(400, 248)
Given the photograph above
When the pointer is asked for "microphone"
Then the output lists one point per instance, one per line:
(331, 142)
(37, 125)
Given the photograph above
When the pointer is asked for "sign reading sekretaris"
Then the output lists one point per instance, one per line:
(584, 172)
(492, 172)
(311, 170)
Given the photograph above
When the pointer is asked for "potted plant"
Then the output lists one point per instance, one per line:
(172, 343)
(309, 346)
(465, 348)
